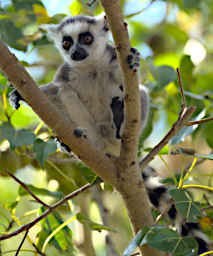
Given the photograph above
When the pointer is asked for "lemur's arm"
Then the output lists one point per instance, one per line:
(133, 60)
(50, 90)
(66, 101)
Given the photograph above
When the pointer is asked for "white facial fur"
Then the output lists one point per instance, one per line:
(95, 50)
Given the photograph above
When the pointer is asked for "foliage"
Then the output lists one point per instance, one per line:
(182, 38)
(164, 239)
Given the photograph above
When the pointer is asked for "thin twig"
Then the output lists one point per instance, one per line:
(38, 250)
(184, 115)
(10, 226)
(139, 12)
(27, 189)
(22, 241)
(91, 3)
(204, 120)
(185, 151)
(181, 89)
(47, 212)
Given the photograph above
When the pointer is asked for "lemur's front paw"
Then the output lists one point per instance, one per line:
(61, 146)
(14, 99)
(133, 59)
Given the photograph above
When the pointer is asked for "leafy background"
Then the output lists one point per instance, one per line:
(169, 34)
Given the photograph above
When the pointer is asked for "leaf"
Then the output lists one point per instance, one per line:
(3, 83)
(11, 35)
(163, 74)
(16, 137)
(90, 224)
(167, 240)
(191, 4)
(43, 149)
(39, 191)
(186, 71)
(62, 239)
(26, 4)
(85, 172)
(41, 13)
(207, 133)
(76, 7)
(24, 117)
(185, 205)
(11, 206)
(194, 96)
(136, 241)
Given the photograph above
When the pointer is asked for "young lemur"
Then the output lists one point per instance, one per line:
(87, 88)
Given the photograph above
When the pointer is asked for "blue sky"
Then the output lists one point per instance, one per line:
(152, 15)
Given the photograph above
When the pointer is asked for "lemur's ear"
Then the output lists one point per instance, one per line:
(51, 29)
(102, 19)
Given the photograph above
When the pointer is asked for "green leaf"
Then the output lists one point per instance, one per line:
(167, 240)
(194, 96)
(185, 205)
(24, 117)
(136, 241)
(86, 172)
(90, 224)
(3, 83)
(207, 133)
(26, 4)
(163, 75)
(164, 150)
(16, 137)
(190, 4)
(43, 149)
(11, 35)
(62, 239)
(76, 7)
(11, 206)
(186, 71)
(39, 191)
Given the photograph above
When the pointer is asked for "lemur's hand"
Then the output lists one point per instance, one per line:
(14, 98)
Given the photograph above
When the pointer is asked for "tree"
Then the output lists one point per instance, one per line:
(22, 19)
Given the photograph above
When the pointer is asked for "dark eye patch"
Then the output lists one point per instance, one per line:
(67, 42)
(86, 38)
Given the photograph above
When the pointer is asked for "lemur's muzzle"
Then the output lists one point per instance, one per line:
(78, 54)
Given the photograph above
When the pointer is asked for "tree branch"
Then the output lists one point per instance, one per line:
(22, 241)
(22, 81)
(27, 189)
(130, 79)
(129, 182)
(47, 212)
(184, 116)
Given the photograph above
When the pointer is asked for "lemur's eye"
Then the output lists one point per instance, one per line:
(67, 42)
(86, 38)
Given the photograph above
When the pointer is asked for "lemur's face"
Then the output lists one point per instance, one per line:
(80, 39)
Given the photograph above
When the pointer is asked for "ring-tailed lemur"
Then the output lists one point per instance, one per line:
(160, 199)
(88, 91)
(87, 88)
